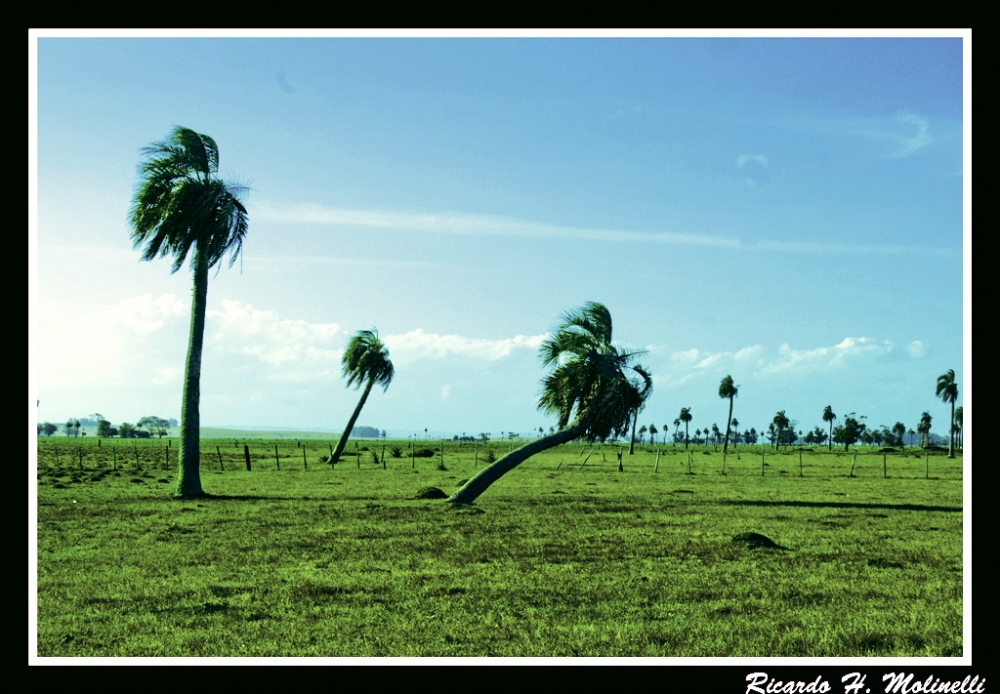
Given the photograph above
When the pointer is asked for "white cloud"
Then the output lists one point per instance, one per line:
(918, 140)
(744, 158)
(915, 348)
(278, 341)
(417, 344)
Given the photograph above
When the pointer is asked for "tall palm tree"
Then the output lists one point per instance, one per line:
(780, 423)
(685, 416)
(594, 388)
(366, 360)
(181, 206)
(947, 390)
(736, 432)
(653, 431)
(959, 413)
(829, 416)
(728, 390)
(677, 426)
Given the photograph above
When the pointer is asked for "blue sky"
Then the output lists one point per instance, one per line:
(788, 210)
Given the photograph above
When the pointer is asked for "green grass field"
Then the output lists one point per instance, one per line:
(554, 560)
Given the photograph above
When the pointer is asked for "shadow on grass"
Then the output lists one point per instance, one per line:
(844, 504)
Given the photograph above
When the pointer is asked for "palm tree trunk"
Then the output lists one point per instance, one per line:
(951, 432)
(339, 450)
(685, 435)
(631, 446)
(725, 445)
(188, 474)
(830, 439)
(471, 490)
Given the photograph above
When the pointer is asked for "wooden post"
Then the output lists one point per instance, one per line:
(927, 465)
(246, 455)
(277, 463)
(620, 468)
(221, 466)
(166, 457)
(305, 465)
(383, 456)
(852, 463)
(800, 463)
(332, 466)
(656, 468)
(885, 471)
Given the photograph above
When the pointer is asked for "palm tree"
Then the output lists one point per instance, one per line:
(947, 390)
(829, 416)
(899, 429)
(677, 426)
(180, 206)
(728, 390)
(924, 429)
(780, 423)
(685, 416)
(653, 431)
(736, 432)
(366, 360)
(959, 413)
(594, 388)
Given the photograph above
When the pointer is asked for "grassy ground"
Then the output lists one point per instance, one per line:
(554, 560)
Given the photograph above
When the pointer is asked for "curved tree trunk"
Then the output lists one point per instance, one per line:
(188, 474)
(471, 490)
(725, 445)
(685, 435)
(830, 439)
(339, 450)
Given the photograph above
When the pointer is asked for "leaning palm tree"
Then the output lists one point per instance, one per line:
(595, 388)
(728, 390)
(829, 416)
(181, 206)
(899, 429)
(366, 360)
(685, 416)
(947, 390)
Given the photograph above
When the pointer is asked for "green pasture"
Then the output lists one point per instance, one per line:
(555, 559)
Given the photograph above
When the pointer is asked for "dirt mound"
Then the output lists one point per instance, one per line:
(755, 540)
(431, 493)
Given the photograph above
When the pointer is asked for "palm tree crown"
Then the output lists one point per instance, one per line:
(367, 359)
(594, 383)
(179, 205)
(182, 203)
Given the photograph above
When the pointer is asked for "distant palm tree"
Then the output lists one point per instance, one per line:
(642, 433)
(829, 416)
(653, 431)
(715, 434)
(735, 423)
(947, 390)
(677, 426)
(685, 416)
(912, 433)
(780, 423)
(924, 429)
(594, 388)
(181, 204)
(899, 429)
(728, 391)
(366, 360)
(959, 412)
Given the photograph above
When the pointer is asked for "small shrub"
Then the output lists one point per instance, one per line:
(491, 457)
(396, 452)
(424, 453)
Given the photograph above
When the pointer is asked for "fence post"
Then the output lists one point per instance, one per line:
(885, 471)
(305, 465)
(166, 457)
(762, 463)
(853, 462)
(656, 467)
(277, 462)
(800, 463)
(246, 455)
(221, 466)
